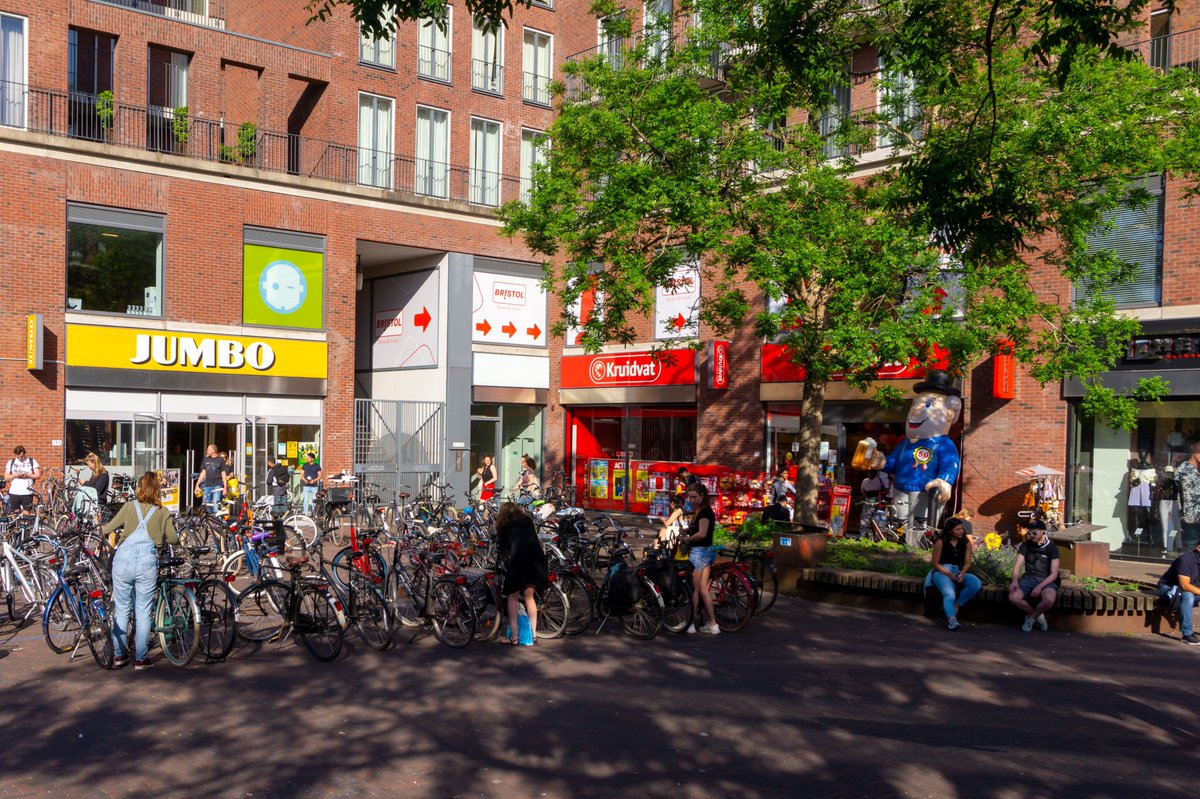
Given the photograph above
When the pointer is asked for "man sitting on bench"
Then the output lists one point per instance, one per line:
(1180, 589)
(1035, 591)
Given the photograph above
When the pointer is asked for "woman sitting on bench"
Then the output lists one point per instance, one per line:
(951, 560)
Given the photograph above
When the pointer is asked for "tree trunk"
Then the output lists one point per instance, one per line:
(812, 413)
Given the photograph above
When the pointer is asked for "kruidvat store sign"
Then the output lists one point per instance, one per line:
(629, 377)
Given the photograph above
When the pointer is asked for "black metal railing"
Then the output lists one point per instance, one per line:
(487, 76)
(162, 130)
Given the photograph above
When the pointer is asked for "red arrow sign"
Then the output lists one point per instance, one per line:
(534, 331)
(423, 319)
(510, 329)
(483, 327)
(679, 322)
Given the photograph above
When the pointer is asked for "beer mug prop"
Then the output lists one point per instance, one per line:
(862, 455)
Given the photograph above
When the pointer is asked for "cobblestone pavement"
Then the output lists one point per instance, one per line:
(810, 700)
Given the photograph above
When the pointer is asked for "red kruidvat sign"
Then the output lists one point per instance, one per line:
(777, 367)
(669, 368)
(720, 364)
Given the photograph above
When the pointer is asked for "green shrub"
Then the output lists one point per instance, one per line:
(105, 109)
(994, 566)
(179, 124)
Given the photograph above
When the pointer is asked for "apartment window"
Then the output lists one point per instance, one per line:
(89, 72)
(537, 63)
(485, 162)
(378, 52)
(13, 64)
(167, 94)
(657, 24)
(897, 104)
(610, 44)
(374, 141)
(830, 122)
(487, 58)
(534, 147)
(1160, 40)
(433, 152)
(114, 261)
(542, 3)
(433, 47)
(1136, 237)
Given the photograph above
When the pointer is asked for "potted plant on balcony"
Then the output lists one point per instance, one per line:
(105, 112)
(246, 148)
(179, 125)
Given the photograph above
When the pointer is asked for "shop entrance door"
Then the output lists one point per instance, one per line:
(485, 440)
(186, 442)
(256, 449)
(147, 444)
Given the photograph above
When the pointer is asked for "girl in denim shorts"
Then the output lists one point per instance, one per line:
(699, 535)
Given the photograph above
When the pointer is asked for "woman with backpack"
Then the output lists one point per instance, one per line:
(144, 525)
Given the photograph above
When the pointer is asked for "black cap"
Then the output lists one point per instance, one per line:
(938, 381)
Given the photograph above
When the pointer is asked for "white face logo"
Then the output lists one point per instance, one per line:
(932, 414)
(282, 287)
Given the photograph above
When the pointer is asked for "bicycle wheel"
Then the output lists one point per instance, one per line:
(373, 616)
(732, 598)
(579, 601)
(489, 617)
(60, 627)
(217, 605)
(644, 619)
(317, 624)
(453, 616)
(554, 608)
(764, 572)
(260, 610)
(98, 634)
(347, 563)
(177, 623)
(303, 530)
(401, 595)
(678, 614)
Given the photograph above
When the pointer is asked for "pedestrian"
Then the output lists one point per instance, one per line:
(1180, 589)
(951, 561)
(278, 480)
(144, 525)
(487, 479)
(780, 487)
(699, 537)
(673, 522)
(92, 492)
(778, 511)
(1035, 578)
(684, 479)
(527, 485)
(1187, 477)
(310, 478)
(211, 481)
(21, 472)
(526, 571)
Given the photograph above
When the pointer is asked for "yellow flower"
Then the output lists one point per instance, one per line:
(993, 541)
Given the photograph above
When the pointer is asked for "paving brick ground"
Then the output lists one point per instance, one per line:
(810, 700)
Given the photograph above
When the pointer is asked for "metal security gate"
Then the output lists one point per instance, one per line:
(399, 443)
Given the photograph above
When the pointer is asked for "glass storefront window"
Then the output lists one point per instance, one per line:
(506, 432)
(114, 261)
(1122, 481)
(108, 439)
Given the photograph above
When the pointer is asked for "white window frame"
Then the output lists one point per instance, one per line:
(372, 51)
(612, 48)
(542, 4)
(435, 36)
(487, 68)
(485, 182)
(660, 37)
(20, 89)
(885, 139)
(531, 153)
(424, 180)
(540, 86)
(371, 172)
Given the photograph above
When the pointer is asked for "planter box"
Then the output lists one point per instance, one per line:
(799, 549)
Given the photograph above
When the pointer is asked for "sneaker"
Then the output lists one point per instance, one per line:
(142, 665)
(691, 629)
(1027, 625)
(119, 662)
(1192, 639)
(711, 629)
(952, 624)
(1042, 624)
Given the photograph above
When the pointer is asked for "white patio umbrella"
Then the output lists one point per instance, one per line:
(1030, 472)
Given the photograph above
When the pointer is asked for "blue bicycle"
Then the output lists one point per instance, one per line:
(77, 612)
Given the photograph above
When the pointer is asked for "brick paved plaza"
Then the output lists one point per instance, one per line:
(811, 700)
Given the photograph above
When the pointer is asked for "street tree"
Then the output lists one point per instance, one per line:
(1015, 130)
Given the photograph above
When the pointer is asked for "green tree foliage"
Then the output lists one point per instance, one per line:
(378, 18)
(1014, 130)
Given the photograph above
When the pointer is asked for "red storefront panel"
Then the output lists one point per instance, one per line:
(629, 369)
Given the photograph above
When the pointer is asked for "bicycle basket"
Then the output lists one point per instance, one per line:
(572, 526)
(664, 574)
(625, 589)
(339, 496)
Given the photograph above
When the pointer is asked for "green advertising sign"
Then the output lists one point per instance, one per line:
(282, 287)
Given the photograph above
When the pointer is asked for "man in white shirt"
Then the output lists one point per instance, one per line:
(21, 472)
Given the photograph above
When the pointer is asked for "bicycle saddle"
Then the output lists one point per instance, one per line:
(295, 563)
(170, 563)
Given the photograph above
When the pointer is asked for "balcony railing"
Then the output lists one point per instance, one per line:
(487, 76)
(157, 129)
(1177, 50)
(536, 88)
(210, 13)
(433, 63)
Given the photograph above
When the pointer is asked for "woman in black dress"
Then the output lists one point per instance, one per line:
(526, 570)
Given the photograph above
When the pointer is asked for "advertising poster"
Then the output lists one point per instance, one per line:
(643, 492)
(618, 483)
(598, 479)
(676, 304)
(508, 309)
(168, 479)
(404, 332)
(283, 287)
(839, 510)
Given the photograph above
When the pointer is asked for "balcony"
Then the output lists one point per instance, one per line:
(535, 89)
(433, 63)
(210, 13)
(154, 129)
(487, 76)
(1176, 51)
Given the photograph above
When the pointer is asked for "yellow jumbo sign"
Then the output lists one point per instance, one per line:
(173, 351)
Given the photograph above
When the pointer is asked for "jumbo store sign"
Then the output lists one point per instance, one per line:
(630, 369)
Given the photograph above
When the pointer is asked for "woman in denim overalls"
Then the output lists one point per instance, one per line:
(144, 525)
